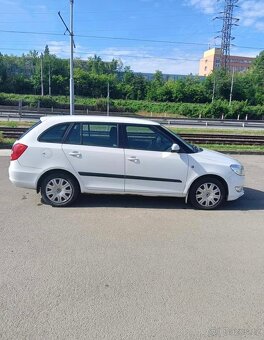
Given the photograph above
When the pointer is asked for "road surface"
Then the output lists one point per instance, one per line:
(114, 267)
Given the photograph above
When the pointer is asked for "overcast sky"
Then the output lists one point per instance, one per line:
(179, 30)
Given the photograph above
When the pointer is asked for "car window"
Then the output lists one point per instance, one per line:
(93, 134)
(74, 136)
(146, 138)
(96, 134)
(54, 134)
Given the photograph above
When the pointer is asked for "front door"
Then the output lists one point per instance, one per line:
(93, 151)
(150, 166)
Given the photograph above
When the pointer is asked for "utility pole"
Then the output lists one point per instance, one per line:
(41, 75)
(71, 61)
(49, 81)
(72, 46)
(232, 86)
(213, 96)
(108, 99)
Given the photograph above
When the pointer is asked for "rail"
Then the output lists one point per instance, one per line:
(197, 138)
(31, 114)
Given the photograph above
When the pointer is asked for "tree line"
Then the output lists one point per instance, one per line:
(22, 75)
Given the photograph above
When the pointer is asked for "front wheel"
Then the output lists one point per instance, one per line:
(207, 193)
(59, 189)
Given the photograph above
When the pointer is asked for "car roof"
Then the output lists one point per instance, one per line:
(99, 119)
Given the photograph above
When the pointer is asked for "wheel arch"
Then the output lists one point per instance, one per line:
(47, 173)
(219, 178)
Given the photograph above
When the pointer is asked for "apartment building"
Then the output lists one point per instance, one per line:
(212, 60)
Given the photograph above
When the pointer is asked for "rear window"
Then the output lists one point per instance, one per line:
(30, 129)
(54, 134)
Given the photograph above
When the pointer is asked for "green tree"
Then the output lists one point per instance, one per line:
(97, 66)
(257, 73)
(133, 86)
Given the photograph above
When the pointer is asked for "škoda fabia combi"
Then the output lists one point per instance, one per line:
(63, 156)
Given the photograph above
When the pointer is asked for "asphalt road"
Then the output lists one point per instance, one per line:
(132, 267)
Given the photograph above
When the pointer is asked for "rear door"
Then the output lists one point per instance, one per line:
(150, 166)
(93, 151)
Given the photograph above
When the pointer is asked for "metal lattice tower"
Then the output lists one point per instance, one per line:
(226, 33)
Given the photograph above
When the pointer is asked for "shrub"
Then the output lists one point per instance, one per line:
(208, 110)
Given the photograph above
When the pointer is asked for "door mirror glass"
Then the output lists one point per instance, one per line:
(175, 148)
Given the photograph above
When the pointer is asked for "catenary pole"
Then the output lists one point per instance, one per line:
(71, 60)
(49, 81)
(108, 99)
(41, 75)
(232, 87)
(214, 86)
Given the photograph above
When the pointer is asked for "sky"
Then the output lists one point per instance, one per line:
(147, 35)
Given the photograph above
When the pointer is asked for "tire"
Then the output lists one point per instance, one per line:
(207, 193)
(59, 189)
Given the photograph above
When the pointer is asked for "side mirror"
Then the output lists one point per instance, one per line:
(175, 148)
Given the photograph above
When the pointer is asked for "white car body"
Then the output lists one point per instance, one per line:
(120, 170)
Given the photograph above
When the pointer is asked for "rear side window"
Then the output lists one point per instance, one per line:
(54, 134)
(74, 136)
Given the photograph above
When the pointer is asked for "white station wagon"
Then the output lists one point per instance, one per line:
(62, 156)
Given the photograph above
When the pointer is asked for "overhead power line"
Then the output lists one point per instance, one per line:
(105, 37)
(30, 32)
(125, 39)
(113, 55)
(139, 56)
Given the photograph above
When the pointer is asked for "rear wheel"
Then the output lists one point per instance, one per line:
(207, 193)
(59, 189)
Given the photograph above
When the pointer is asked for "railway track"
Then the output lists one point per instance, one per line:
(198, 138)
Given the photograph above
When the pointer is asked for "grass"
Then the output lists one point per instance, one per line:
(218, 131)
(6, 141)
(233, 148)
(174, 129)
(14, 124)
(158, 114)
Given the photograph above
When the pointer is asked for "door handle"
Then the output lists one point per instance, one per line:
(75, 154)
(133, 159)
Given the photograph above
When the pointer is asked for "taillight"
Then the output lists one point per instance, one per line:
(17, 150)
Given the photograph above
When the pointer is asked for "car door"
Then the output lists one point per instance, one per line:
(150, 166)
(94, 153)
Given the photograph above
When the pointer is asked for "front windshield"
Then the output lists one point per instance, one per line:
(194, 148)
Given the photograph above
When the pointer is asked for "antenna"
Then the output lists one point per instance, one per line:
(72, 44)
(228, 22)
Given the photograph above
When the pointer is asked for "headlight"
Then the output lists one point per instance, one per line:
(238, 169)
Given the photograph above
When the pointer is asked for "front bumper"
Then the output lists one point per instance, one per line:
(235, 187)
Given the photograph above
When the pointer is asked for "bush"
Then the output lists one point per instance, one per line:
(237, 109)
(219, 108)
(207, 110)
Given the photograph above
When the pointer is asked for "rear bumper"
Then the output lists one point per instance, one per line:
(23, 177)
